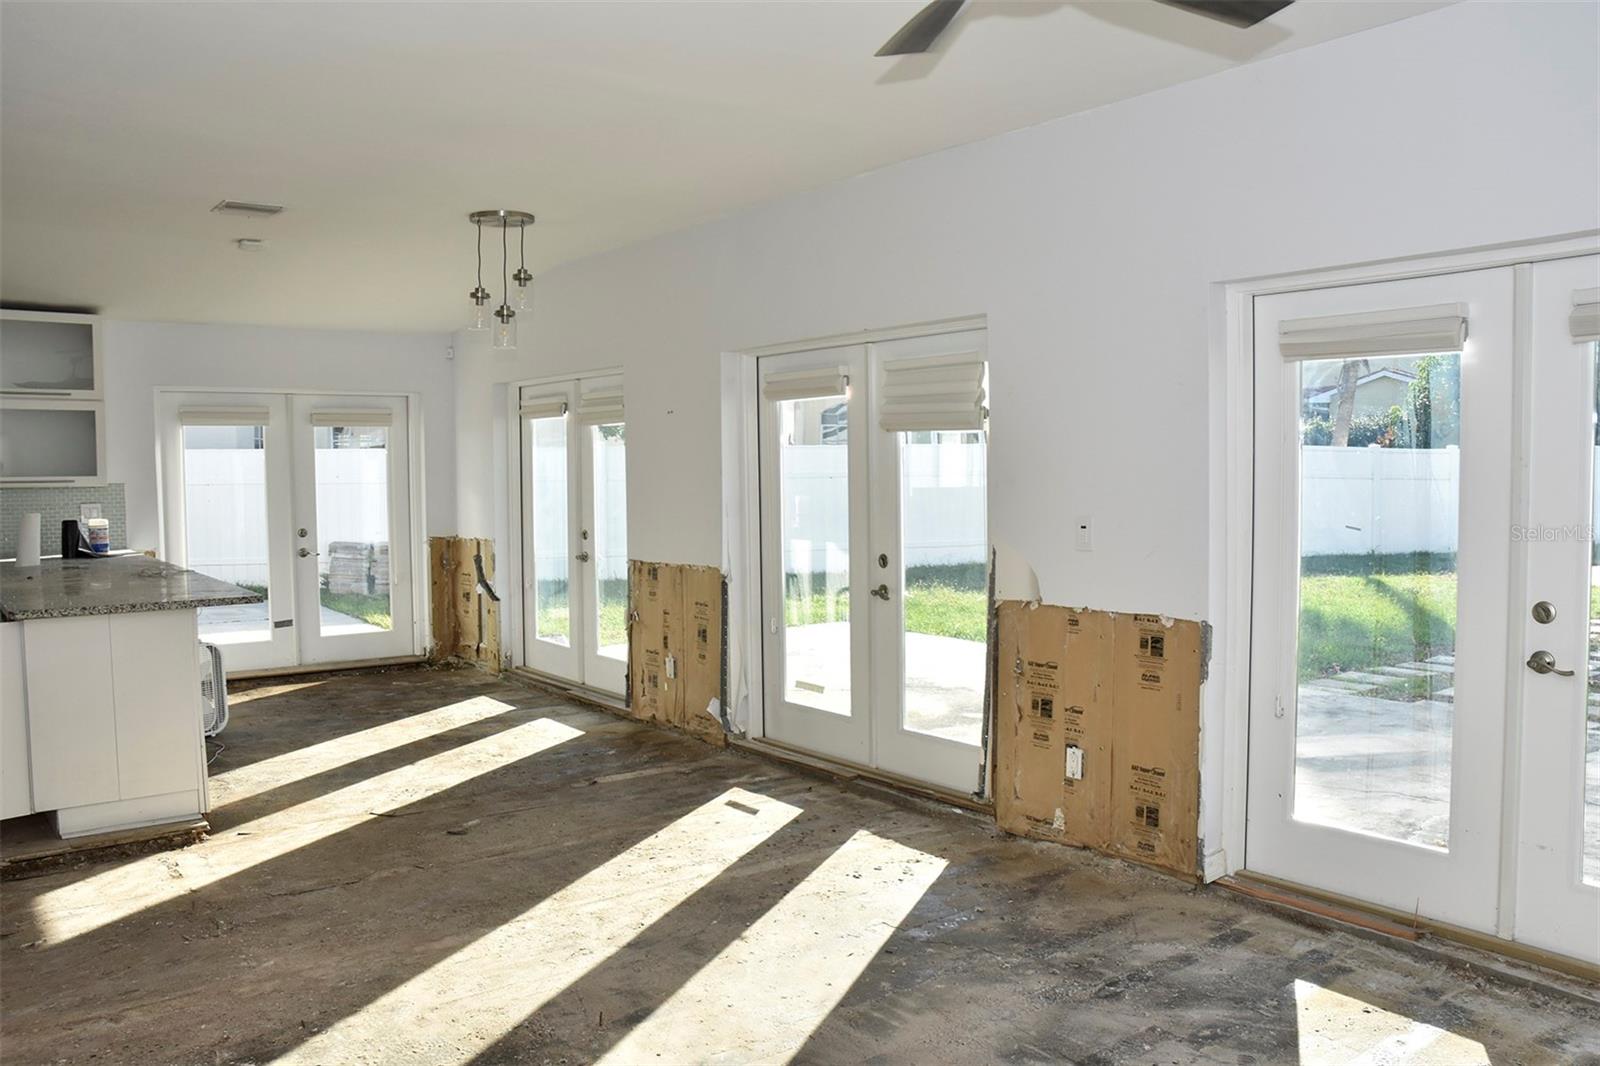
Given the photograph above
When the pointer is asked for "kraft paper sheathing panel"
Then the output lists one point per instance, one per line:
(465, 619)
(1097, 731)
(675, 647)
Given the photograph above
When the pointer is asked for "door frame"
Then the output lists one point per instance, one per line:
(165, 400)
(1225, 703)
(742, 512)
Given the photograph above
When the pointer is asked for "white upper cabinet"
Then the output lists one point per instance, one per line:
(47, 354)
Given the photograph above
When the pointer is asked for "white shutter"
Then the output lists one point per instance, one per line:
(535, 406)
(945, 392)
(1585, 318)
(1404, 331)
(224, 416)
(372, 416)
(806, 384)
(602, 406)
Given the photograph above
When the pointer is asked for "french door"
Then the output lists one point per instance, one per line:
(575, 531)
(875, 554)
(1397, 537)
(305, 499)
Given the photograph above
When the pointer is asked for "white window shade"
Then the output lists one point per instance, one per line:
(601, 406)
(224, 416)
(1403, 331)
(1585, 318)
(542, 406)
(371, 416)
(806, 384)
(941, 393)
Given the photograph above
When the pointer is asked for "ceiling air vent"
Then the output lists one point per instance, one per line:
(244, 207)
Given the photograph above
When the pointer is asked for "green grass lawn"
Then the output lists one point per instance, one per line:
(1361, 612)
(373, 610)
(941, 601)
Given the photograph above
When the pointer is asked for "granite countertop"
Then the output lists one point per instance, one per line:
(126, 584)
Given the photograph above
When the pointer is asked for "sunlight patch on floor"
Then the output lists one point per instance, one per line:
(764, 995)
(237, 785)
(454, 1010)
(1340, 1030)
(114, 895)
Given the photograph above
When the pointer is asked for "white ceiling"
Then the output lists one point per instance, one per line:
(380, 126)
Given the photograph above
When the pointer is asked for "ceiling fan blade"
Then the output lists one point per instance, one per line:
(924, 28)
(1240, 13)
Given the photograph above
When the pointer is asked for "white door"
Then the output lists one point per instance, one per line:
(574, 531)
(352, 528)
(1557, 856)
(1380, 626)
(226, 510)
(875, 554)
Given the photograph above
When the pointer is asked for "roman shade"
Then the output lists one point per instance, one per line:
(371, 416)
(224, 416)
(542, 406)
(945, 392)
(603, 405)
(1403, 331)
(1585, 318)
(806, 384)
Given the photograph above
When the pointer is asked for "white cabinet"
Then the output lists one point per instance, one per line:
(16, 788)
(52, 442)
(113, 719)
(50, 355)
(52, 406)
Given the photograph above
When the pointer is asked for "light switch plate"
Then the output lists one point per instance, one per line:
(1083, 534)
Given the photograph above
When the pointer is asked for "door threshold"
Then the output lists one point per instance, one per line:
(785, 753)
(609, 701)
(1415, 930)
(324, 668)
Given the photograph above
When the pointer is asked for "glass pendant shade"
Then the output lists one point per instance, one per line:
(480, 318)
(520, 298)
(505, 334)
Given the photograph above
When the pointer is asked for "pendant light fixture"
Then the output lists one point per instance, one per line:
(504, 330)
(519, 299)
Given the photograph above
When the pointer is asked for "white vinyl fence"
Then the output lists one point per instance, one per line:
(945, 515)
(225, 506)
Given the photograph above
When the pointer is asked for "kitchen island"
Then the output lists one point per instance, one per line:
(100, 715)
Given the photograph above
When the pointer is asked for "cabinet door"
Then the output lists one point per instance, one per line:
(49, 355)
(72, 733)
(16, 791)
(158, 702)
(52, 442)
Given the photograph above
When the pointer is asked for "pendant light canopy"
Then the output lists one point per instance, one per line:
(504, 331)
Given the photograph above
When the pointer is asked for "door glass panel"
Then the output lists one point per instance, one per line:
(608, 445)
(1379, 470)
(945, 555)
(547, 454)
(225, 524)
(1591, 747)
(814, 489)
(352, 486)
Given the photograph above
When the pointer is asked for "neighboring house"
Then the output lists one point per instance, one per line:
(1376, 392)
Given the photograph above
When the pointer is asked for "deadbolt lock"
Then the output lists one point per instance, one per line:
(883, 561)
(1544, 612)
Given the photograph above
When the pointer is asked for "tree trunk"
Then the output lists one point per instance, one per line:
(1344, 412)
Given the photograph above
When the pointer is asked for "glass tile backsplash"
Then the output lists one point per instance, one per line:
(55, 505)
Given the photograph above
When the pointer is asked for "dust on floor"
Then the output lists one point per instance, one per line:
(441, 867)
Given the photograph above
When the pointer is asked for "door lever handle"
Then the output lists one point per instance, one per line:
(1542, 662)
(305, 552)
(882, 592)
(583, 557)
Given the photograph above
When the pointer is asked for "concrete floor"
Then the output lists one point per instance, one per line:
(439, 867)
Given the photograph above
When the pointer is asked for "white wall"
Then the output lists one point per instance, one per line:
(1097, 246)
(1094, 244)
(141, 357)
